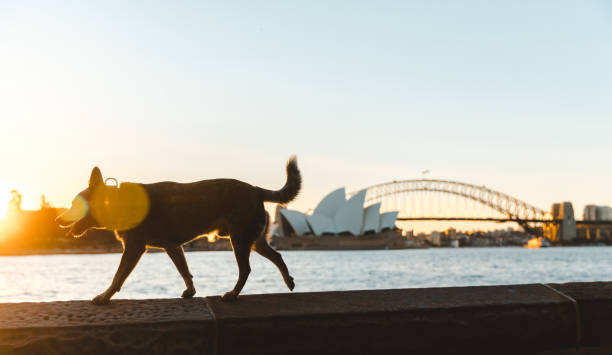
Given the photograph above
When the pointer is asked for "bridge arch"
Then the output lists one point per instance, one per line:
(510, 206)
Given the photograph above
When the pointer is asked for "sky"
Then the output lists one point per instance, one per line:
(514, 95)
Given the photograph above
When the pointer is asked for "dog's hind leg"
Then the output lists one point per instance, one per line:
(178, 258)
(129, 259)
(262, 247)
(242, 251)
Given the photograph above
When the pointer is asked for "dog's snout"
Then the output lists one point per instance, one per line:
(60, 216)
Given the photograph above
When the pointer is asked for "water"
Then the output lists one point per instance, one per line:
(73, 277)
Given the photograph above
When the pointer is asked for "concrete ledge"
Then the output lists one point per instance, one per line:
(490, 319)
(595, 307)
(435, 320)
(123, 327)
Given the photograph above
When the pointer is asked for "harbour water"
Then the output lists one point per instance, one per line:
(40, 278)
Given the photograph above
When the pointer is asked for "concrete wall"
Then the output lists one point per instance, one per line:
(517, 319)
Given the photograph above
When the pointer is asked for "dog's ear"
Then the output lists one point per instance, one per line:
(95, 178)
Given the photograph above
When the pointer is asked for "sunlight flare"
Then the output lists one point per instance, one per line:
(120, 208)
(5, 197)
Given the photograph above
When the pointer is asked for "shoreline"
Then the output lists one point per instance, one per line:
(156, 250)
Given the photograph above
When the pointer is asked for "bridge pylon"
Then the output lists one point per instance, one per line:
(563, 226)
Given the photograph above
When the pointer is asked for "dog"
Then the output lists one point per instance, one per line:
(169, 214)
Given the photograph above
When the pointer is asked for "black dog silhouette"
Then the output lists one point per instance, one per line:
(177, 213)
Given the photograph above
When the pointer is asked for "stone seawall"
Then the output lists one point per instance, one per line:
(384, 240)
(573, 318)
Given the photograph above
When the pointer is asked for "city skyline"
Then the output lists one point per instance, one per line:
(514, 96)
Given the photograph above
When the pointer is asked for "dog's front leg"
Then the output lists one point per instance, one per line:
(178, 258)
(129, 259)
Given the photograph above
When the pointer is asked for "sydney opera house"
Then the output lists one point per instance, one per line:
(336, 215)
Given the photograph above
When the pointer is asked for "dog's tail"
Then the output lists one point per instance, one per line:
(291, 188)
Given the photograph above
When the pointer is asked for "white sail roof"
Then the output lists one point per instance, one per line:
(334, 215)
(297, 221)
(350, 217)
(371, 218)
(331, 203)
(387, 220)
(320, 224)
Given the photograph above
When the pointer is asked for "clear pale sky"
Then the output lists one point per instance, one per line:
(514, 95)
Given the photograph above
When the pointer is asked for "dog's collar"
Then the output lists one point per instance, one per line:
(111, 178)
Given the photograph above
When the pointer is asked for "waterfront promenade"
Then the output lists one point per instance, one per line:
(573, 318)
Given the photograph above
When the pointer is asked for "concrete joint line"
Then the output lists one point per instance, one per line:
(577, 311)
(215, 337)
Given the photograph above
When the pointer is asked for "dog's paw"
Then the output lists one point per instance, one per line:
(100, 300)
(290, 283)
(188, 293)
(229, 297)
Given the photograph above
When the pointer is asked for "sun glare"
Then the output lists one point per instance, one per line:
(5, 197)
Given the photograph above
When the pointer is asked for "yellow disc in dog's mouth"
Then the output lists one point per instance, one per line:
(119, 208)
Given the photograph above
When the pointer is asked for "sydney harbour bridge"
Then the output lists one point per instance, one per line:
(446, 200)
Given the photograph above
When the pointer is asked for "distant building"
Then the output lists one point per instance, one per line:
(597, 213)
(452, 233)
(435, 238)
(335, 215)
(14, 205)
